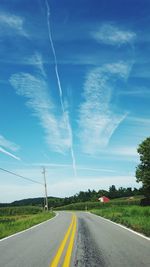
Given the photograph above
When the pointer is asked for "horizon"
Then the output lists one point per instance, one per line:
(74, 94)
(43, 197)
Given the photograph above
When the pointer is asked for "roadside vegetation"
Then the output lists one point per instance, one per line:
(88, 205)
(134, 217)
(16, 219)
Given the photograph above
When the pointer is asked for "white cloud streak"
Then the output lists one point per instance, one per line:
(96, 120)
(35, 89)
(56, 166)
(2, 150)
(125, 151)
(65, 114)
(12, 22)
(110, 34)
(142, 92)
(96, 169)
(8, 144)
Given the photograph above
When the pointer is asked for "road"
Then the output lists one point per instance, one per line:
(77, 239)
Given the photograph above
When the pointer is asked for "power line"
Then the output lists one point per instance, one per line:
(18, 175)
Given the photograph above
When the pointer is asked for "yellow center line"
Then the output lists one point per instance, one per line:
(57, 257)
(70, 246)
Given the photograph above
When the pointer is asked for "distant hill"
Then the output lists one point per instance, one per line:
(37, 201)
(34, 202)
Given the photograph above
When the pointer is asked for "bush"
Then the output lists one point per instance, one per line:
(19, 210)
(145, 202)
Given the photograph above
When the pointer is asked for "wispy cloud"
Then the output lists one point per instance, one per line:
(2, 150)
(12, 22)
(142, 92)
(108, 33)
(139, 120)
(56, 166)
(120, 69)
(97, 121)
(125, 151)
(35, 90)
(95, 169)
(6, 145)
(37, 61)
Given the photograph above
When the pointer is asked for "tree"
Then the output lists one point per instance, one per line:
(143, 169)
(113, 191)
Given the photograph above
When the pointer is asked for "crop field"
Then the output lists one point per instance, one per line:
(134, 217)
(96, 205)
(15, 219)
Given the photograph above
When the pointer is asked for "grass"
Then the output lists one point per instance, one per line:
(16, 219)
(79, 206)
(96, 205)
(134, 217)
(19, 210)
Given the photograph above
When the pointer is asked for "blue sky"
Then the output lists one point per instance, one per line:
(74, 94)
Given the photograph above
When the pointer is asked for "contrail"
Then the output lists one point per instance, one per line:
(8, 153)
(60, 88)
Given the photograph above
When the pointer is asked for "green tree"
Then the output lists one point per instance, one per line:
(113, 193)
(143, 169)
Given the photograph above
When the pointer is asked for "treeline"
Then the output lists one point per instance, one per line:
(82, 196)
(92, 195)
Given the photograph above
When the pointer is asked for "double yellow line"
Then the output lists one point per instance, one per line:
(70, 235)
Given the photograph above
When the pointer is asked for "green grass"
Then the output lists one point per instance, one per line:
(134, 217)
(16, 219)
(79, 206)
(132, 198)
(96, 205)
(20, 210)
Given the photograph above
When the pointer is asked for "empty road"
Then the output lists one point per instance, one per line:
(75, 239)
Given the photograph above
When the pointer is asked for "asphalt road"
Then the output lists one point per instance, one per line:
(80, 240)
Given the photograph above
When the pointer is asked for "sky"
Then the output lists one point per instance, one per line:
(74, 94)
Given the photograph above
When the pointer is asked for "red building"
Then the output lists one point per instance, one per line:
(104, 199)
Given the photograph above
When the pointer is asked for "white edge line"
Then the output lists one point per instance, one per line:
(34, 226)
(122, 226)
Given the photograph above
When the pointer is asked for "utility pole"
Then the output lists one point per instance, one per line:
(45, 186)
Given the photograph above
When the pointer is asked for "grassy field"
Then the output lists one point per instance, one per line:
(96, 205)
(15, 219)
(134, 217)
